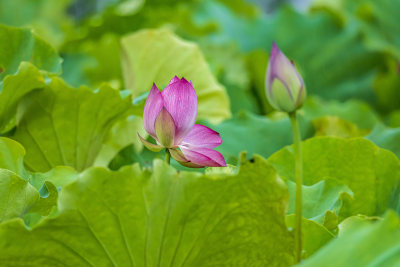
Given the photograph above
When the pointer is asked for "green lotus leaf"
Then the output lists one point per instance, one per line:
(76, 123)
(314, 237)
(18, 197)
(160, 218)
(319, 198)
(22, 45)
(15, 87)
(12, 157)
(122, 134)
(334, 126)
(386, 137)
(364, 243)
(370, 172)
(147, 52)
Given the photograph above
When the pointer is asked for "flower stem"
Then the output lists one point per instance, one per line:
(167, 156)
(299, 183)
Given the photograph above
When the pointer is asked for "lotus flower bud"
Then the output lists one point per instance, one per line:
(284, 86)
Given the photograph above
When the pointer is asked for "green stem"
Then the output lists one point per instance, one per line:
(299, 183)
(167, 156)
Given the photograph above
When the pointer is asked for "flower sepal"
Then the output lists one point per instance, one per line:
(150, 146)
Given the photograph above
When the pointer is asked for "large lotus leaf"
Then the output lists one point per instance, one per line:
(318, 198)
(22, 45)
(370, 172)
(76, 123)
(364, 243)
(15, 87)
(18, 197)
(158, 55)
(160, 218)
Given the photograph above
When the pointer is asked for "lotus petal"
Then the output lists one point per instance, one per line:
(180, 100)
(165, 128)
(205, 157)
(202, 136)
(152, 108)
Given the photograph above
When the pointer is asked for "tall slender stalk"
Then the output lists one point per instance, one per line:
(167, 156)
(299, 182)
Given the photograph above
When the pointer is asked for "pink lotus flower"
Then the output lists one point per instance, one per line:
(285, 88)
(169, 117)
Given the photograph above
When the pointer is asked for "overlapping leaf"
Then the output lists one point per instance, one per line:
(162, 218)
(370, 172)
(18, 196)
(122, 134)
(22, 45)
(319, 198)
(12, 158)
(364, 243)
(387, 138)
(15, 87)
(76, 123)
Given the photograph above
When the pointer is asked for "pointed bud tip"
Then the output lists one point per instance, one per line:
(185, 81)
(154, 87)
(275, 50)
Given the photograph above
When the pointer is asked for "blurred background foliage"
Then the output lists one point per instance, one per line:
(347, 51)
(74, 77)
